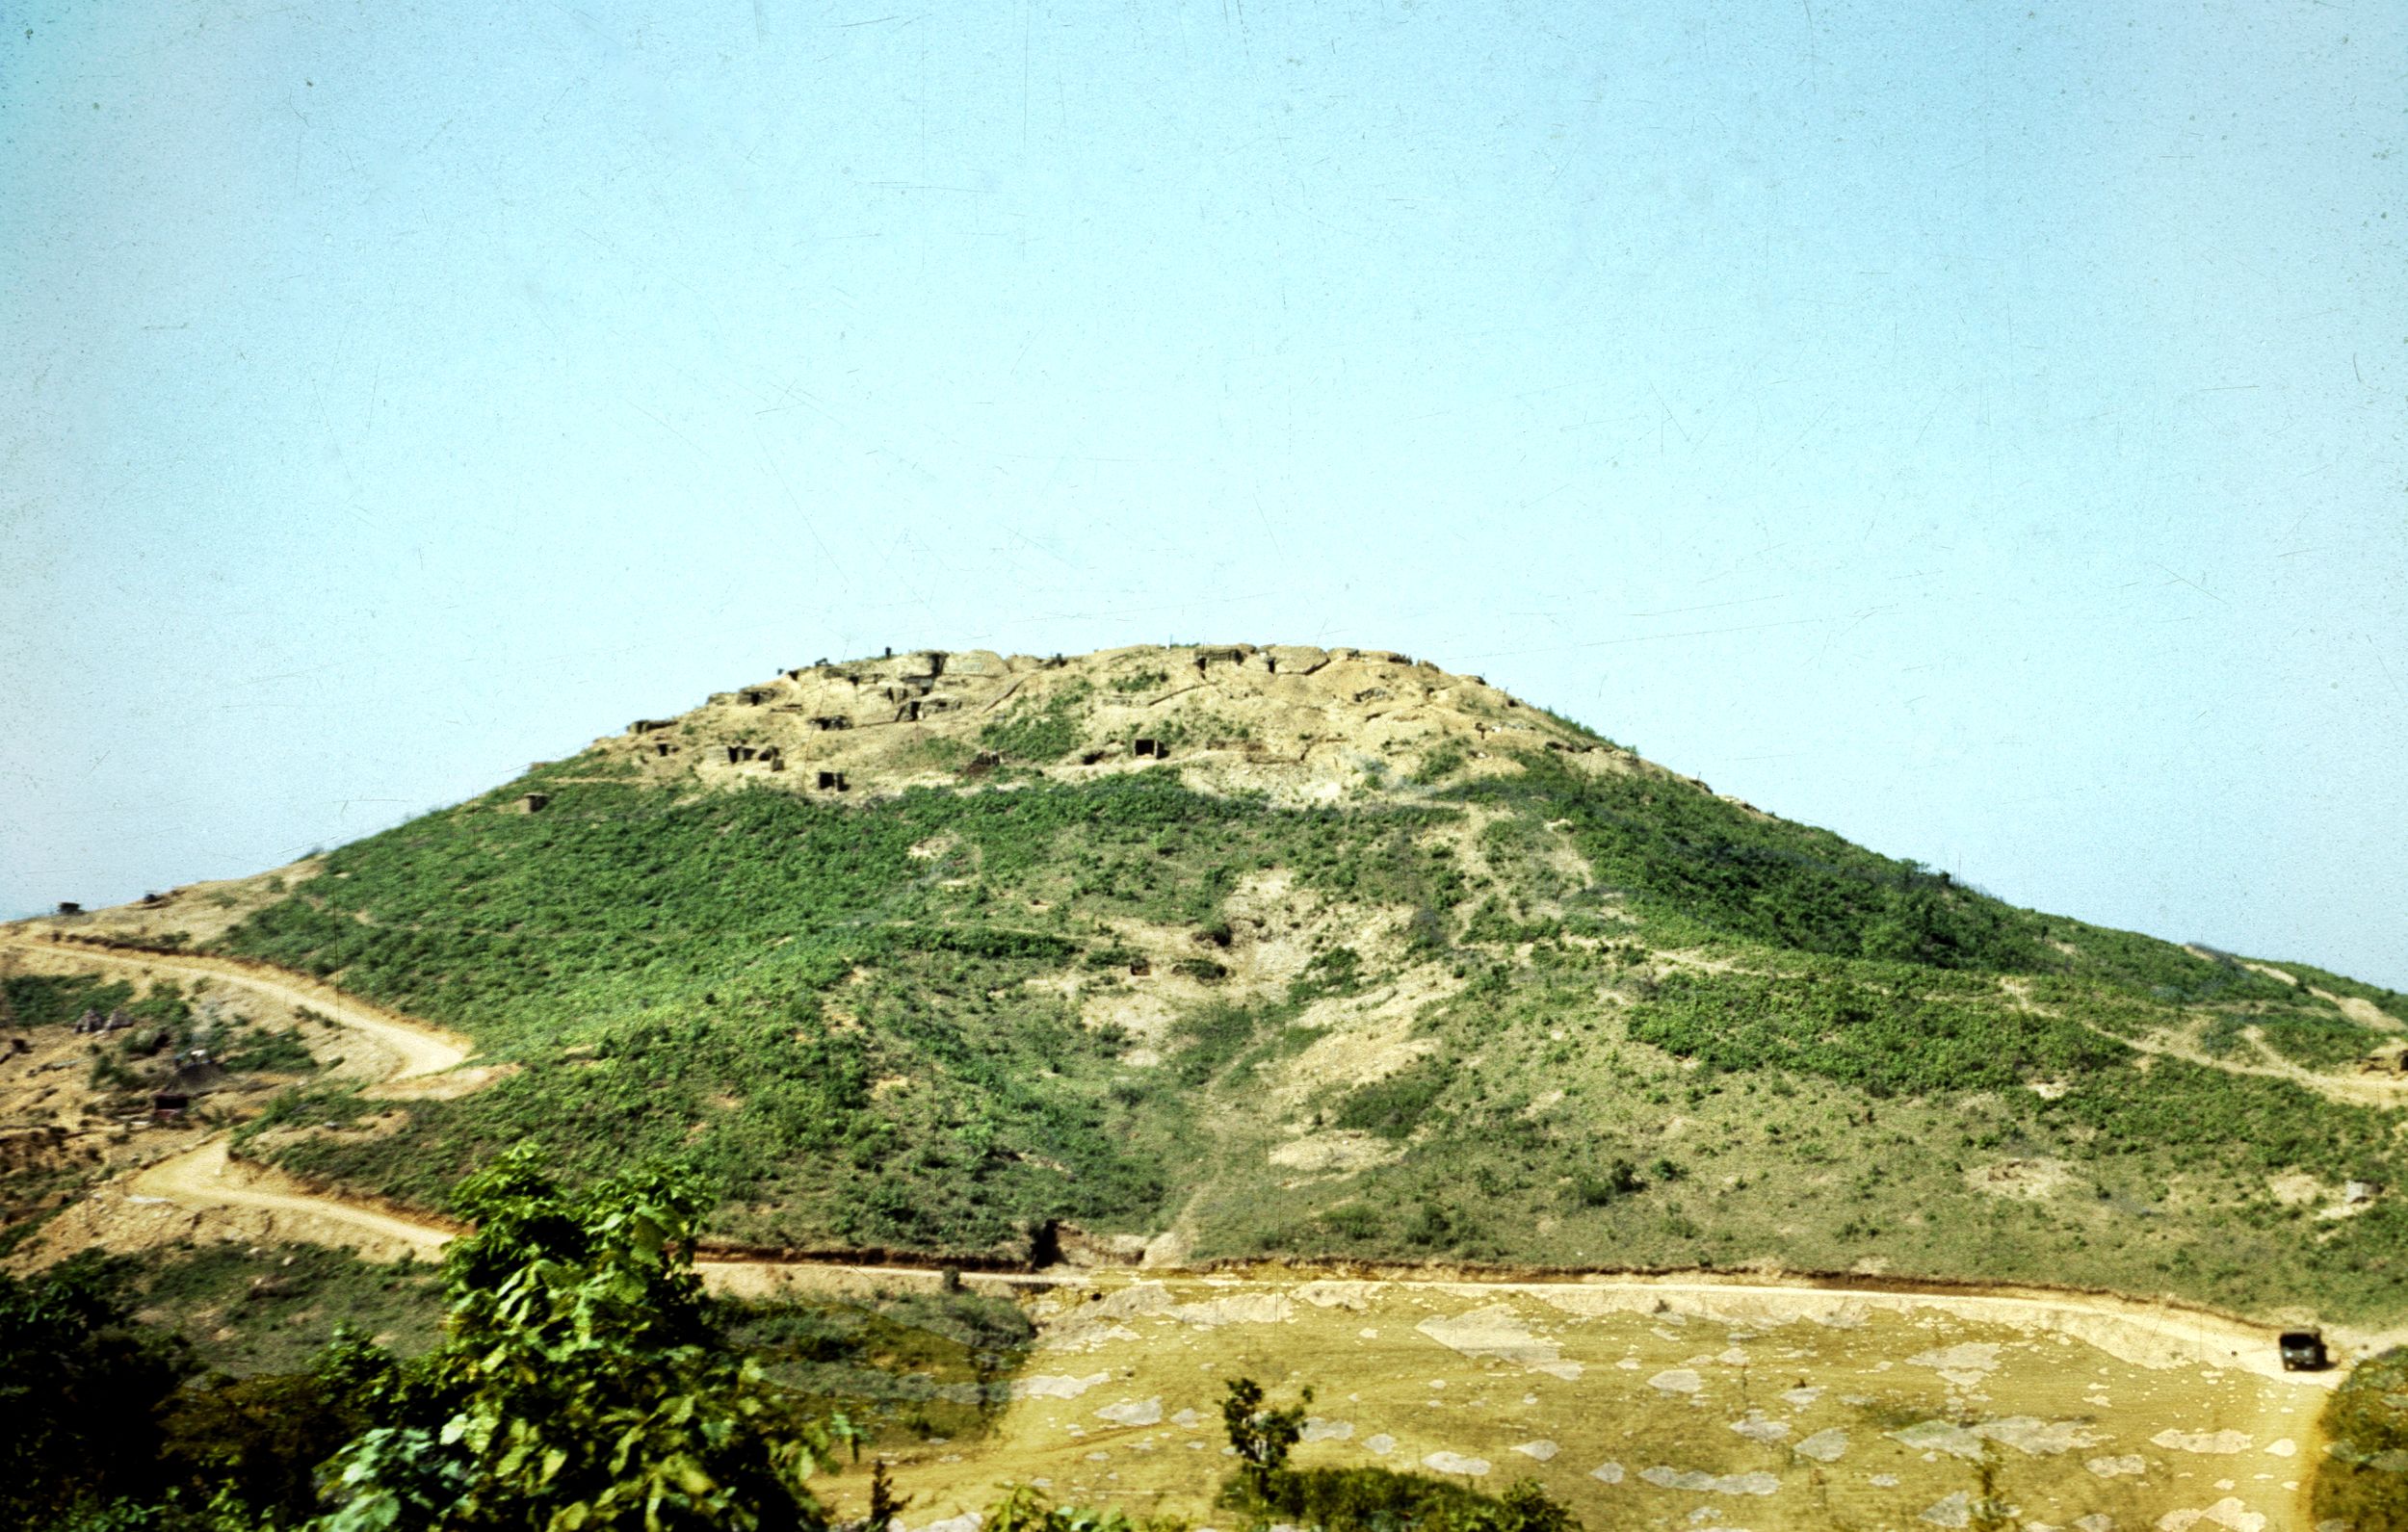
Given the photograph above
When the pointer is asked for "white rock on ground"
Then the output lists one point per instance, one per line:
(2211, 1443)
(1823, 1447)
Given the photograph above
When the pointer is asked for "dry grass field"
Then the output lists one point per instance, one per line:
(1660, 1405)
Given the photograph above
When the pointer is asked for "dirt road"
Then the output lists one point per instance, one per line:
(206, 1177)
(418, 1048)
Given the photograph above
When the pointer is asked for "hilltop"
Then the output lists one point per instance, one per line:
(1188, 952)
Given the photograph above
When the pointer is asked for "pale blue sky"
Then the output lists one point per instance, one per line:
(1978, 428)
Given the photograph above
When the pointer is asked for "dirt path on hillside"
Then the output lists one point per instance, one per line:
(2365, 1012)
(2136, 1330)
(2350, 1090)
(207, 1178)
(418, 1048)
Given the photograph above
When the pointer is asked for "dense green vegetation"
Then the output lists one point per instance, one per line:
(702, 963)
(872, 1023)
(2363, 1479)
(40, 999)
(1890, 1030)
(72, 1363)
(577, 1379)
(1671, 846)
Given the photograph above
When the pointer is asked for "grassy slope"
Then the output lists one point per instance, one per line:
(1801, 1049)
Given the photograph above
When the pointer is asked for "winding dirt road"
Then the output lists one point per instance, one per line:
(419, 1050)
(206, 1177)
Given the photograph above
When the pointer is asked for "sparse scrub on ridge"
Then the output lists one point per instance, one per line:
(1041, 733)
(2391, 1002)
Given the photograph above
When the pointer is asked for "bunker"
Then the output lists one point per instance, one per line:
(833, 782)
(169, 1106)
(533, 802)
(1153, 749)
(70, 907)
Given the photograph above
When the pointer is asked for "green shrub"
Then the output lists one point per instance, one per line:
(1393, 1106)
(2362, 1478)
(1040, 735)
(1358, 1499)
(1619, 1180)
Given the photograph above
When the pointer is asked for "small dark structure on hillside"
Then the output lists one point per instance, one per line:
(663, 747)
(649, 725)
(1140, 967)
(70, 907)
(1154, 748)
(2303, 1351)
(831, 722)
(738, 754)
(754, 696)
(985, 762)
(533, 802)
(833, 782)
(169, 1106)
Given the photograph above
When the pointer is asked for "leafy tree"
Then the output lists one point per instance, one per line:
(1261, 1436)
(580, 1385)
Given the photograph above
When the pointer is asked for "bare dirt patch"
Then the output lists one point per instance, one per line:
(2024, 1180)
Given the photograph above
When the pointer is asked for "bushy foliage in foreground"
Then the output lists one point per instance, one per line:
(579, 1384)
(2363, 1480)
(81, 1390)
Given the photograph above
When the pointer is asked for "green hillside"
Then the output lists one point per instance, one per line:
(1422, 973)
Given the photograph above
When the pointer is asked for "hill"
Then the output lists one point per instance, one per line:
(1238, 951)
